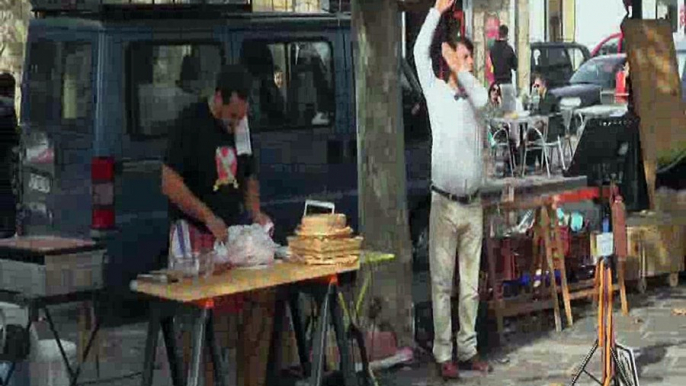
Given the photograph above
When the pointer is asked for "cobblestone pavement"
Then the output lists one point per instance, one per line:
(537, 357)
(544, 357)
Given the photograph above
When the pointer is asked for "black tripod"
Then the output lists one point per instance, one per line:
(614, 371)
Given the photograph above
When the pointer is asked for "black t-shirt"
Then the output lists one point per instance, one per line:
(203, 153)
(504, 61)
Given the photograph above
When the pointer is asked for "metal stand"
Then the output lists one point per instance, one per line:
(613, 371)
(35, 305)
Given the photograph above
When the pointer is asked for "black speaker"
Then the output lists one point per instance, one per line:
(610, 149)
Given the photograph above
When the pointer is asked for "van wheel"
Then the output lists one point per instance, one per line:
(419, 230)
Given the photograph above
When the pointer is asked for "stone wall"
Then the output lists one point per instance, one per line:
(14, 20)
(487, 15)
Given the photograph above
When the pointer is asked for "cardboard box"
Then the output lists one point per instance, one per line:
(661, 239)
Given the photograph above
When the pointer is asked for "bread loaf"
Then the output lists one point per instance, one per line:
(323, 223)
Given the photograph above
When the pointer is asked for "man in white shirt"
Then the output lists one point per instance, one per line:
(455, 101)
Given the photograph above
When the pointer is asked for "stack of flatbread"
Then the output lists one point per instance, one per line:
(325, 239)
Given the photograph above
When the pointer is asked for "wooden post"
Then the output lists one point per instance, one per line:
(381, 156)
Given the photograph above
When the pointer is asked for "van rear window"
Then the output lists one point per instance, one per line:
(164, 79)
(60, 84)
(42, 90)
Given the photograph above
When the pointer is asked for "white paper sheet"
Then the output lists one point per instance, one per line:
(242, 137)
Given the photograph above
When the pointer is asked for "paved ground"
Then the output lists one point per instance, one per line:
(545, 357)
(538, 357)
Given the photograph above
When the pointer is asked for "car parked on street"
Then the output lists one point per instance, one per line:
(557, 61)
(596, 76)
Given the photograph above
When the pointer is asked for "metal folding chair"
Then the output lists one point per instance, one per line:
(501, 147)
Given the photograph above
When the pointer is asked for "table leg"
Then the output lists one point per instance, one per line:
(51, 324)
(347, 365)
(274, 358)
(494, 282)
(622, 287)
(545, 224)
(169, 337)
(563, 269)
(217, 364)
(154, 326)
(299, 329)
(201, 318)
(319, 341)
(93, 334)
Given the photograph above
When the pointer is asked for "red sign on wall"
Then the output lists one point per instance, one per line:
(491, 32)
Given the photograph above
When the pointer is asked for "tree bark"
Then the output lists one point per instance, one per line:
(381, 158)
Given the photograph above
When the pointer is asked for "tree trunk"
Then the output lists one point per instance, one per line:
(381, 158)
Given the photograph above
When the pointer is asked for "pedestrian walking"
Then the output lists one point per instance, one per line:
(504, 63)
(455, 100)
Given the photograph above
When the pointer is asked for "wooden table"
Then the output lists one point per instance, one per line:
(199, 295)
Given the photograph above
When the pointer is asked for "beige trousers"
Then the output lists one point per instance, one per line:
(454, 227)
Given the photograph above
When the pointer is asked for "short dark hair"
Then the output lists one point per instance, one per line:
(541, 77)
(234, 78)
(7, 84)
(503, 31)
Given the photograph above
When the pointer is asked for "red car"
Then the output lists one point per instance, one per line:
(613, 44)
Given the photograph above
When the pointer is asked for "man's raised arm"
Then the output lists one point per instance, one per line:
(422, 46)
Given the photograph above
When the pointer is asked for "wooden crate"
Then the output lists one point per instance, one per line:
(661, 237)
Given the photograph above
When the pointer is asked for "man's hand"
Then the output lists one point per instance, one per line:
(218, 228)
(443, 5)
(262, 219)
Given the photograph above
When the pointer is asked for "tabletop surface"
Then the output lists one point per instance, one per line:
(518, 119)
(45, 243)
(602, 109)
(239, 280)
(538, 184)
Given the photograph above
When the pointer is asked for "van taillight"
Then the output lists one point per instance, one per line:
(102, 182)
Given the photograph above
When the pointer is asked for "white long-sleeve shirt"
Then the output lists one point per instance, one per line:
(456, 126)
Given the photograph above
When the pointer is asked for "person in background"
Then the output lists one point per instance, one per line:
(504, 63)
(212, 184)
(455, 100)
(495, 97)
(9, 139)
(547, 103)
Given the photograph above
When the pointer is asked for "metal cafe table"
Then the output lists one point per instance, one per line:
(199, 295)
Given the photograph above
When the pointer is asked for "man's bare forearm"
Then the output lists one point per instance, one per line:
(252, 196)
(178, 193)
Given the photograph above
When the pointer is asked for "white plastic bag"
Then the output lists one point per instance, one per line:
(247, 245)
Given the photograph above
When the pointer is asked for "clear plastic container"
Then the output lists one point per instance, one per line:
(197, 265)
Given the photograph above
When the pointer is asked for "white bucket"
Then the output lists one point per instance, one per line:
(47, 366)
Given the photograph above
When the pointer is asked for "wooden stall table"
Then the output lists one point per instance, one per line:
(198, 295)
(543, 196)
(37, 272)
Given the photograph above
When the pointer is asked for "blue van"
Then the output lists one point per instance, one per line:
(103, 83)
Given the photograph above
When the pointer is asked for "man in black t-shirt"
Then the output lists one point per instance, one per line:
(208, 183)
(210, 179)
